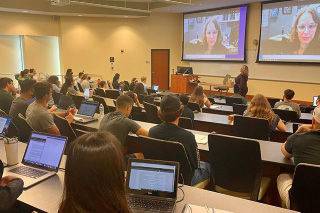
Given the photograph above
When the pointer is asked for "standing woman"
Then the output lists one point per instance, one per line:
(242, 79)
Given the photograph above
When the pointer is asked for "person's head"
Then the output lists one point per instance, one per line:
(53, 80)
(85, 77)
(131, 95)
(124, 104)
(94, 175)
(134, 80)
(42, 91)
(80, 74)
(69, 73)
(236, 89)
(288, 94)
(139, 89)
(211, 33)
(27, 88)
(143, 79)
(184, 99)
(7, 84)
(244, 70)
(197, 96)
(103, 84)
(259, 107)
(24, 73)
(170, 108)
(116, 77)
(121, 83)
(318, 101)
(316, 118)
(306, 27)
(32, 72)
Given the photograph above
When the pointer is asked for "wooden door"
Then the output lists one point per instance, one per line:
(160, 60)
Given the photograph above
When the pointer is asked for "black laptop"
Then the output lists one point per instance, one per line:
(86, 112)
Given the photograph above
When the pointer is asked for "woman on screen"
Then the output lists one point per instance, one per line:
(305, 33)
(94, 175)
(242, 79)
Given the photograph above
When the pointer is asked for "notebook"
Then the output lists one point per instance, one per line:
(86, 112)
(41, 159)
(314, 102)
(4, 124)
(151, 185)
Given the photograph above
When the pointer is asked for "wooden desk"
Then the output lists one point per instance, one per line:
(183, 83)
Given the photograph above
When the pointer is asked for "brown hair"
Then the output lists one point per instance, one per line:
(53, 79)
(94, 175)
(289, 94)
(204, 37)
(244, 70)
(123, 101)
(197, 96)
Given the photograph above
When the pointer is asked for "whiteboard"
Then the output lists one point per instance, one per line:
(261, 71)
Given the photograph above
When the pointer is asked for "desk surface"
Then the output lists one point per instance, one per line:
(47, 195)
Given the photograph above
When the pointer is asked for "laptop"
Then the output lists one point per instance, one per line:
(4, 124)
(152, 185)
(41, 159)
(86, 112)
(155, 87)
(314, 102)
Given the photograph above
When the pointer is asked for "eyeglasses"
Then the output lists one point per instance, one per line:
(311, 27)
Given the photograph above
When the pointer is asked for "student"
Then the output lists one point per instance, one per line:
(115, 81)
(54, 81)
(69, 74)
(259, 107)
(37, 114)
(7, 93)
(287, 103)
(10, 189)
(134, 97)
(133, 84)
(94, 176)
(144, 82)
(118, 123)
(139, 89)
(186, 112)
(304, 147)
(169, 113)
(199, 97)
(33, 73)
(103, 85)
(68, 87)
(85, 82)
(78, 79)
(24, 75)
(236, 90)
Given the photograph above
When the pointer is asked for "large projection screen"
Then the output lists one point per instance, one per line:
(290, 32)
(215, 35)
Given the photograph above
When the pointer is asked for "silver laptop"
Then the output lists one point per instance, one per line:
(151, 185)
(41, 159)
(314, 101)
(86, 112)
(4, 125)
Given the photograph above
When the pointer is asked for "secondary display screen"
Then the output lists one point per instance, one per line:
(215, 35)
(290, 32)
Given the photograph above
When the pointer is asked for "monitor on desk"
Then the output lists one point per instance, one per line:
(184, 70)
(314, 102)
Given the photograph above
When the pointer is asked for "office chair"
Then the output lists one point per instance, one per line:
(151, 91)
(101, 101)
(286, 115)
(273, 101)
(56, 97)
(230, 101)
(112, 93)
(77, 100)
(80, 132)
(309, 109)
(223, 87)
(152, 113)
(239, 109)
(193, 106)
(25, 128)
(65, 102)
(148, 99)
(185, 123)
(100, 92)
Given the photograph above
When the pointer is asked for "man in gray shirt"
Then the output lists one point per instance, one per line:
(287, 104)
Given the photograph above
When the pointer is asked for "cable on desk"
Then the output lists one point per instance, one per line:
(182, 181)
(182, 195)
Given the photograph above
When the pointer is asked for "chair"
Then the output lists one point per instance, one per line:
(230, 101)
(77, 100)
(305, 192)
(309, 109)
(148, 99)
(80, 87)
(248, 127)
(24, 128)
(237, 167)
(12, 130)
(273, 101)
(100, 92)
(65, 102)
(151, 91)
(56, 97)
(193, 106)
(141, 98)
(286, 115)
(112, 93)
(223, 87)
(239, 109)
(2, 112)
(115, 102)
(65, 130)
(80, 132)
(101, 101)
(152, 113)
(185, 123)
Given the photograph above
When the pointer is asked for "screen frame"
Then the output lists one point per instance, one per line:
(4, 131)
(86, 101)
(217, 60)
(278, 62)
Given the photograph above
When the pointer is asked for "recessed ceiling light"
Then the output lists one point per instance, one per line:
(167, 0)
(126, 16)
(24, 11)
(79, 15)
(199, 4)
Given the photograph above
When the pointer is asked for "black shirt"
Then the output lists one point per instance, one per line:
(188, 113)
(305, 147)
(172, 132)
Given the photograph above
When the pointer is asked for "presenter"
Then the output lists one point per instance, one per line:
(242, 79)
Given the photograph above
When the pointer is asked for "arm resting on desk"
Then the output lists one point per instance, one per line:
(284, 151)
(143, 132)
(281, 126)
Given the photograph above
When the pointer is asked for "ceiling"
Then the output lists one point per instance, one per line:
(113, 8)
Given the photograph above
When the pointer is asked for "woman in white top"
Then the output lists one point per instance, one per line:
(85, 82)
(54, 81)
(199, 97)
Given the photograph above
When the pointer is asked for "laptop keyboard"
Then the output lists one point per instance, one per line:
(150, 204)
(28, 172)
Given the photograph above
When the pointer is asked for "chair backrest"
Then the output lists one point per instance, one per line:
(80, 87)
(141, 97)
(193, 106)
(286, 115)
(112, 93)
(56, 97)
(152, 113)
(273, 101)
(185, 123)
(230, 101)
(13, 130)
(101, 101)
(235, 164)
(100, 92)
(2, 112)
(77, 100)
(239, 108)
(148, 99)
(248, 127)
(211, 100)
(151, 91)
(305, 192)
(65, 102)
(65, 130)
(24, 128)
(309, 109)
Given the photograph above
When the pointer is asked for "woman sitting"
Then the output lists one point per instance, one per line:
(199, 97)
(68, 87)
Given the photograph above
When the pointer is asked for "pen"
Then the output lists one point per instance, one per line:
(203, 138)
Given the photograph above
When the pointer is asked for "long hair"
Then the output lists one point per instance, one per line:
(139, 89)
(116, 77)
(244, 70)
(94, 176)
(260, 108)
(219, 36)
(66, 85)
(197, 96)
(53, 80)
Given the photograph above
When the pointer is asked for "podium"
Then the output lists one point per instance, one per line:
(183, 83)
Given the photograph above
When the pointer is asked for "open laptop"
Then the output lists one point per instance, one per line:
(152, 185)
(314, 102)
(155, 87)
(86, 112)
(41, 159)
(4, 124)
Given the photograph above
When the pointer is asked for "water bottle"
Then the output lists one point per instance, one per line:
(101, 110)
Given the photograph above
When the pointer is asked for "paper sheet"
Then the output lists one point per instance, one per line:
(201, 139)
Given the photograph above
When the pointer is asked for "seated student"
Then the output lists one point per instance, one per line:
(199, 97)
(85, 82)
(133, 84)
(54, 81)
(10, 189)
(139, 89)
(78, 79)
(169, 113)
(144, 82)
(103, 85)
(118, 123)
(68, 87)
(134, 97)
(304, 147)
(7, 94)
(259, 107)
(236, 90)
(287, 104)
(186, 112)
(37, 114)
(24, 75)
(94, 175)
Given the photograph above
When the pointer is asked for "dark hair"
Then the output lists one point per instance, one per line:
(133, 80)
(204, 36)
(131, 95)
(31, 70)
(84, 76)
(139, 89)
(169, 117)
(102, 83)
(94, 175)
(66, 85)
(53, 79)
(41, 89)
(123, 101)
(24, 72)
(80, 74)
(184, 99)
(236, 88)
(69, 74)
(116, 77)
(289, 94)
(4, 81)
(27, 85)
(170, 108)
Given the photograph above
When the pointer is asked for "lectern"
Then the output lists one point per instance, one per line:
(183, 83)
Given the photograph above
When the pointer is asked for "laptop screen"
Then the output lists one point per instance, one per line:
(44, 150)
(4, 124)
(88, 108)
(155, 87)
(314, 102)
(153, 178)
